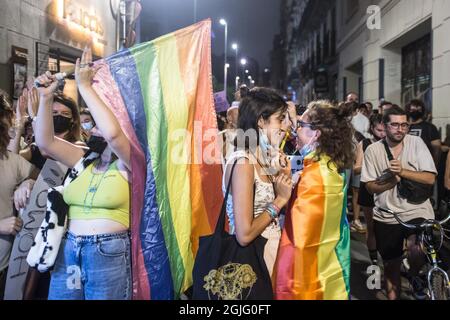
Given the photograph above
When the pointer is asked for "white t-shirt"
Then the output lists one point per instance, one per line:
(414, 157)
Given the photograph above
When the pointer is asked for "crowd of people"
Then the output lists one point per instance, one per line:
(302, 210)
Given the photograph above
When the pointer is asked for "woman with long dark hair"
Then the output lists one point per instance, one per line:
(313, 260)
(258, 189)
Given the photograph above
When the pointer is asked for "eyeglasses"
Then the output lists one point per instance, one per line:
(302, 124)
(397, 126)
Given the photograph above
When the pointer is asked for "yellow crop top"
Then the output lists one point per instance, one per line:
(99, 196)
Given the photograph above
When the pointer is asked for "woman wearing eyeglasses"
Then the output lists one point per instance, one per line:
(313, 260)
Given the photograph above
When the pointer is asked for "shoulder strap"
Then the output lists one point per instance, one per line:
(220, 227)
(388, 151)
(366, 144)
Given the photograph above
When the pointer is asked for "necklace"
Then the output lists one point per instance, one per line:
(263, 166)
(93, 188)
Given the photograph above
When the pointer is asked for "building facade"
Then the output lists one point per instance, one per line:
(392, 50)
(40, 35)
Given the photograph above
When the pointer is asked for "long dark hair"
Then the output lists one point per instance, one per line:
(257, 103)
(6, 116)
(334, 124)
(74, 133)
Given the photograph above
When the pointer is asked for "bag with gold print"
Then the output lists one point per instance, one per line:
(224, 270)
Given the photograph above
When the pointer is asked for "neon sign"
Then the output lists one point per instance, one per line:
(74, 13)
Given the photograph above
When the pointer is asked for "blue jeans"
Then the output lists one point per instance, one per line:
(92, 268)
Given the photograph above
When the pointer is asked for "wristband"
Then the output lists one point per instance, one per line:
(273, 211)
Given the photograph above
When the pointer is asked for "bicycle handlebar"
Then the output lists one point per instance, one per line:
(411, 226)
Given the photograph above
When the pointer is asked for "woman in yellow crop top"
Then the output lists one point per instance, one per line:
(94, 257)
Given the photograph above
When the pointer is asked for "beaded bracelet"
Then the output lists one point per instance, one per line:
(273, 211)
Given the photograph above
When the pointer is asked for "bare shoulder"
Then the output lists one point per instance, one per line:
(242, 169)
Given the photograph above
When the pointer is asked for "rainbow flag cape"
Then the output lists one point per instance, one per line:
(313, 261)
(161, 93)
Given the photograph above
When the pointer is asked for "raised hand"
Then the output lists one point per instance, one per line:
(85, 70)
(33, 102)
(46, 85)
(21, 114)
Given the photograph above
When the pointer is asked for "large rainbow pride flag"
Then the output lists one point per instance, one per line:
(313, 260)
(161, 93)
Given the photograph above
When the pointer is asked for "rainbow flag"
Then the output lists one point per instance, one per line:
(161, 93)
(313, 261)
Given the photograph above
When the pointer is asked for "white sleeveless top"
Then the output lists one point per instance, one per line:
(264, 193)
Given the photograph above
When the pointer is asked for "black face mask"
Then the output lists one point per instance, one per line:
(97, 144)
(61, 124)
(416, 115)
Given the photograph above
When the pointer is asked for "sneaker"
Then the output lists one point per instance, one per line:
(418, 288)
(357, 226)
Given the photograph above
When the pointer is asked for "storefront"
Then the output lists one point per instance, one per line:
(50, 35)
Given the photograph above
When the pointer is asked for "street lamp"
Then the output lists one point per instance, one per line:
(224, 23)
(246, 71)
(243, 63)
(235, 47)
(237, 82)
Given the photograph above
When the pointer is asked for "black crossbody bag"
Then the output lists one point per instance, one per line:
(414, 192)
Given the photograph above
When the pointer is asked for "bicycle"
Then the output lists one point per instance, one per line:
(437, 279)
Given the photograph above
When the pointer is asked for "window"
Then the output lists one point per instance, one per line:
(416, 71)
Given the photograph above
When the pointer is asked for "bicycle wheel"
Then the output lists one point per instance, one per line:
(439, 287)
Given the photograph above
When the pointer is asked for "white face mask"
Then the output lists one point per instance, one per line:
(87, 126)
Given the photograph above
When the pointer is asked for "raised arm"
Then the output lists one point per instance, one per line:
(19, 125)
(58, 149)
(104, 118)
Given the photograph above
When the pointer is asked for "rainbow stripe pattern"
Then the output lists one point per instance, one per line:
(313, 261)
(161, 93)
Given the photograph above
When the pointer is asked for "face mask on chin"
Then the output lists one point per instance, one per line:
(61, 124)
(267, 148)
(308, 148)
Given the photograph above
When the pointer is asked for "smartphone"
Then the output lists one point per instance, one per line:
(296, 163)
(386, 176)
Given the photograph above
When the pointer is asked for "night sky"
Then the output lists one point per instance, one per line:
(251, 23)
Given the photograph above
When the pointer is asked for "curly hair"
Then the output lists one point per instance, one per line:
(334, 124)
(6, 117)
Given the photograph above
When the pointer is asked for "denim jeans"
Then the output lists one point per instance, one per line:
(94, 267)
